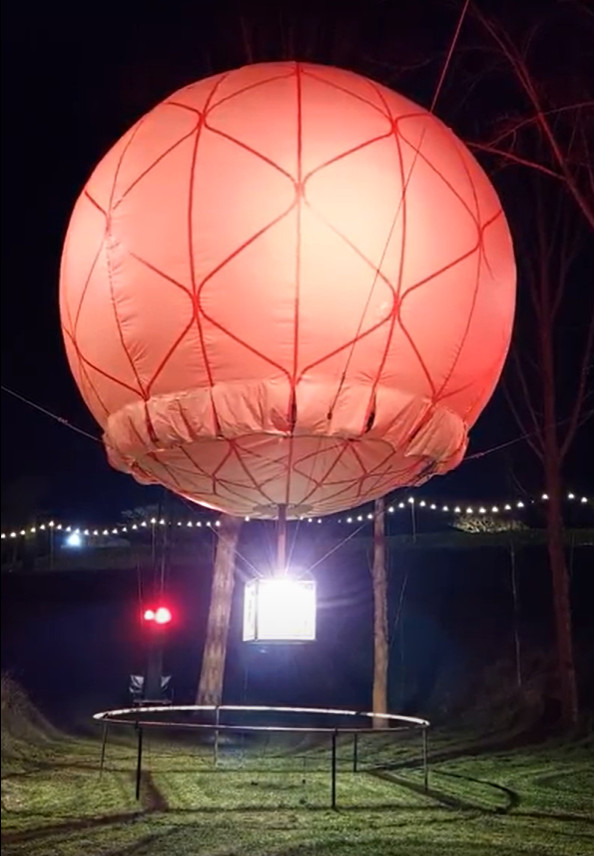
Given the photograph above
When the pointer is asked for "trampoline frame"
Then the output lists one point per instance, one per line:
(136, 718)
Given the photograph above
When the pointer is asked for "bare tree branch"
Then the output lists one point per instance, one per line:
(531, 120)
(517, 159)
(537, 447)
(520, 69)
(577, 409)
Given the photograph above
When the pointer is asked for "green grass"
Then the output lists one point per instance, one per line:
(273, 798)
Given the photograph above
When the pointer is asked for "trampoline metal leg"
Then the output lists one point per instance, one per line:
(425, 761)
(216, 738)
(355, 752)
(139, 762)
(103, 747)
(333, 771)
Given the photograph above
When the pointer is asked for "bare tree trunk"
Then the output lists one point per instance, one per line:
(210, 688)
(561, 597)
(555, 545)
(380, 615)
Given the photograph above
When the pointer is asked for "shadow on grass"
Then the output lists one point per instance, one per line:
(115, 820)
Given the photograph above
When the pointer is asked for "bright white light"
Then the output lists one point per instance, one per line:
(279, 610)
(74, 540)
(162, 615)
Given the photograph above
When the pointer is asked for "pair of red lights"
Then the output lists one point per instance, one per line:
(161, 615)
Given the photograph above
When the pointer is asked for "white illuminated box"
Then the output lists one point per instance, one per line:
(279, 610)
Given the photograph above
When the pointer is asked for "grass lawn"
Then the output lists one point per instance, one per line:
(274, 799)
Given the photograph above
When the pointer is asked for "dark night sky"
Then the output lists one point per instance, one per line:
(74, 79)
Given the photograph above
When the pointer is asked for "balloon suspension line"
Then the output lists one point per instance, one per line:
(281, 543)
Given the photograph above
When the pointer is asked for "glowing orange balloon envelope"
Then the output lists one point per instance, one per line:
(287, 285)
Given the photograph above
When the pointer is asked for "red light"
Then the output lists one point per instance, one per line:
(162, 615)
(149, 615)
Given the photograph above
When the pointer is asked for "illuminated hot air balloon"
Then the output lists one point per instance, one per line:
(287, 286)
